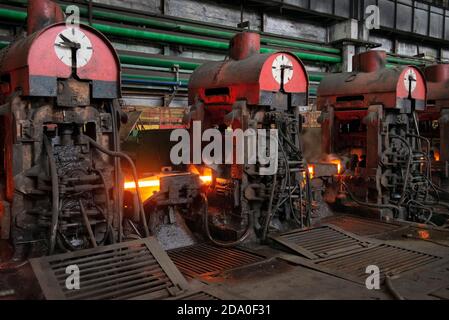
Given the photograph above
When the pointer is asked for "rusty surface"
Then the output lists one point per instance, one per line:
(361, 226)
(391, 260)
(32, 64)
(73, 93)
(132, 270)
(42, 13)
(204, 260)
(320, 242)
(243, 45)
(373, 84)
(245, 76)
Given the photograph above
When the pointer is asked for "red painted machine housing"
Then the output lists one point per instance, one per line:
(246, 75)
(345, 99)
(371, 83)
(31, 65)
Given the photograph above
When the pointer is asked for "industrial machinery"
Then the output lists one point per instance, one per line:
(60, 176)
(369, 118)
(434, 122)
(252, 92)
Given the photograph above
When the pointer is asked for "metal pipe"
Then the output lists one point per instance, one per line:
(177, 39)
(210, 44)
(404, 61)
(157, 62)
(149, 22)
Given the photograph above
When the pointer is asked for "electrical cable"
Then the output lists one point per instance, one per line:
(207, 230)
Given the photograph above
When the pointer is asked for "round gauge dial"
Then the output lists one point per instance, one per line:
(73, 38)
(410, 80)
(282, 65)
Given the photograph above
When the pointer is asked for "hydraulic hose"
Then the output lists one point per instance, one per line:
(55, 195)
(368, 204)
(134, 172)
(217, 242)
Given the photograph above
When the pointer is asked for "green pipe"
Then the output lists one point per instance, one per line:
(203, 31)
(306, 46)
(308, 56)
(404, 61)
(99, 14)
(182, 40)
(316, 77)
(156, 62)
(155, 36)
(143, 77)
(15, 15)
(3, 44)
(106, 15)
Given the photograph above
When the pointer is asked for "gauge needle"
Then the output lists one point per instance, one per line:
(69, 43)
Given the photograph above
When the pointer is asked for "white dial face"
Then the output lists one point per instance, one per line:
(282, 65)
(410, 80)
(73, 37)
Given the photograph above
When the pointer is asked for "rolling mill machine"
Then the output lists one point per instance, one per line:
(60, 173)
(369, 118)
(250, 90)
(434, 123)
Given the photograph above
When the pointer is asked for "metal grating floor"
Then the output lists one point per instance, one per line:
(130, 270)
(202, 259)
(390, 260)
(320, 242)
(361, 226)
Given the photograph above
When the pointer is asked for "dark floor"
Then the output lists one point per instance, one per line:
(415, 258)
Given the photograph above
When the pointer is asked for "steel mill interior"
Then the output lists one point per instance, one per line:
(224, 150)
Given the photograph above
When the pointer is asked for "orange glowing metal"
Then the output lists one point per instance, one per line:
(143, 183)
(311, 170)
(154, 183)
(423, 234)
(436, 155)
(338, 163)
(206, 179)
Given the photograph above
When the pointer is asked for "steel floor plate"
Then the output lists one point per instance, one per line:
(391, 260)
(320, 242)
(203, 259)
(361, 226)
(137, 269)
